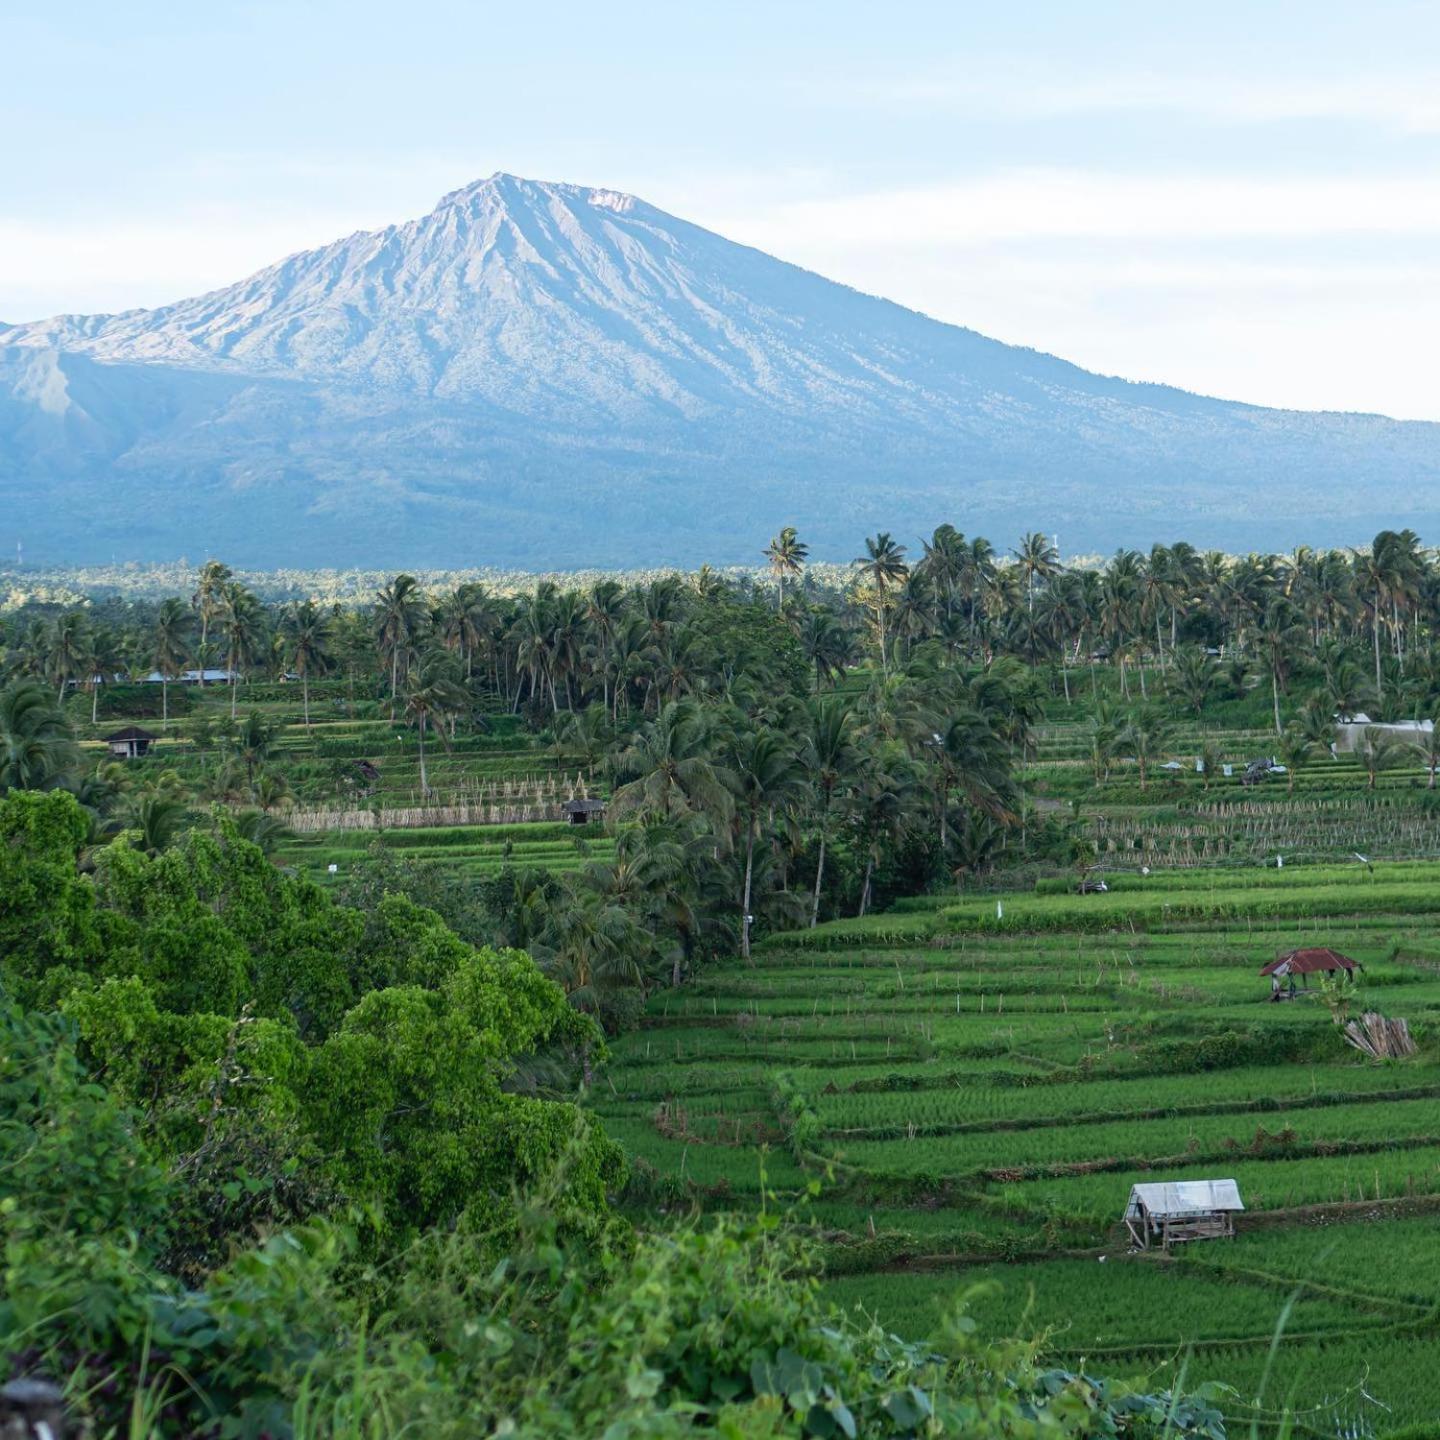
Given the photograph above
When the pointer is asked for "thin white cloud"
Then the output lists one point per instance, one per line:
(1406, 102)
(1025, 205)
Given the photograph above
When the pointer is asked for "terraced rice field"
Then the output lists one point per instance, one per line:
(975, 1084)
(474, 851)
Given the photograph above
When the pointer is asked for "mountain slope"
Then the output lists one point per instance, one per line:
(546, 374)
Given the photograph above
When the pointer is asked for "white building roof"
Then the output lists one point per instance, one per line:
(1183, 1197)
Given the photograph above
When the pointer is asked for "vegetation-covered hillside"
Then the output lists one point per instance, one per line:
(352, 1086)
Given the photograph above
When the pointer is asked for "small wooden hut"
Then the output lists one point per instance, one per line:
(581, 812)
(1172, 1211)
(130, 743)
(1311, 960)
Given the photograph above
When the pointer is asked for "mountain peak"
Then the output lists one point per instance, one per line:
(505, 189)
(548, 370)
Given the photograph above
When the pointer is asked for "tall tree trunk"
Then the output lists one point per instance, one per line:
(865, 887)
(424, 779)
(305, 689)
(164, 702)
(745, 903)
(1375, 626)
(820, 872)
(1275, 696)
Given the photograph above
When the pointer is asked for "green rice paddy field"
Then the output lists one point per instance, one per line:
(974, 1090)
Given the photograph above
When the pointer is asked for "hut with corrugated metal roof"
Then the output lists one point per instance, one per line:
(1169, 1212)
(1305, 962)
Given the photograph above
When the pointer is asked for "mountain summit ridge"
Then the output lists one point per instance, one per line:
(567, 366)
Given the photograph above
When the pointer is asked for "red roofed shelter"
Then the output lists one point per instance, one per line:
(1309, 961)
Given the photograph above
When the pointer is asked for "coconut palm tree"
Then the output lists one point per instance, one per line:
(157, 819)
(399, 617)
(242, 621)
(883, 567)
(1037, 559)
(104, 657)
(169, 646)
(766, 776)
(1280, 632)
(830, 755)
(943, 563)
(971, 758)
(261, 829)
(208, 602)
(1378, 753)
(787, 554)
(306, 634)
(67, 649)
(880, 809)
(435, 696)
(669, 769)
(254, 741)
(827, 645)
(1297, 749)
(37, 750)
(1148, 735)
(1427, 747)
(1192, 678)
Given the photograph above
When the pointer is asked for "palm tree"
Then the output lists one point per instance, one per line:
(590, 947)
(1148, 735)
(169, 646)
(786, 554)
(261, 829)
(880, 809)
(242, 619)
(971, 758)
(1378, 754)
(253, 743)
(104, 655)
(157, 818)
(1428, 749)
(671, 770)
(883, 566)
(1037, 558)
(766, 776)
(433, 698)
(943, 562)
(306, 634)
(830, 754)
(827, 645)
(67, 650)
(462, 620)
(1192, 678)
(399, 614)
(37, 750)
(1297, 749)
(209, 602)
(1279, 633)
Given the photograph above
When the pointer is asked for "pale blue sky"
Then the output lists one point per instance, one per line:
(1243, 199)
